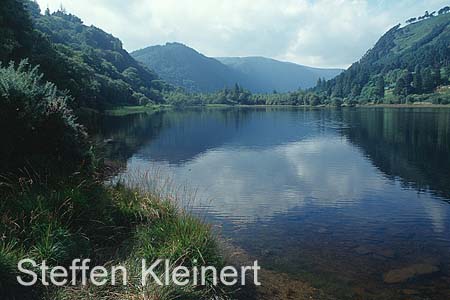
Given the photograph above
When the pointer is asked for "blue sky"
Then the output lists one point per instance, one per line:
(321, 33)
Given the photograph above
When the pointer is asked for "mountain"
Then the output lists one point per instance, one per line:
(84, 60)
(269, 74)
(407, 64)
(185, 67)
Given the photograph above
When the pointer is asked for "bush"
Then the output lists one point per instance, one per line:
(337, 102)
(39, 132)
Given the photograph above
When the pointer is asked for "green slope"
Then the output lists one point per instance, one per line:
(185, 67)
(405, 63)
(84, 60)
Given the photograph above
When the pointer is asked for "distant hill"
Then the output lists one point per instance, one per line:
(404, 64)
(267, 74)
(185, 67)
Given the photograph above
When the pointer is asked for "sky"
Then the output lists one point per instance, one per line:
(320, 33)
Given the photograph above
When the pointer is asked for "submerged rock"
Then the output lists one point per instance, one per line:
(410, 292)
(387, 253)
(404, 274)
(363, 250)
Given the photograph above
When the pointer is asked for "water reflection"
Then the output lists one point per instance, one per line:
(338, 196)
(251, 184)
(412, 144)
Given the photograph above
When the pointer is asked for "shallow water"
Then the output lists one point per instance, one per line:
(336, 197)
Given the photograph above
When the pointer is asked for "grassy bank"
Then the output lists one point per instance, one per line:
(126, 110)
(112, 225)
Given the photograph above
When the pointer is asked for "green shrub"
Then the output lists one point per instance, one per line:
(337, 102)
(39, 132)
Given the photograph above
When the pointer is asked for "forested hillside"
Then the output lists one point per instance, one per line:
(184, 67)
(407, 64)
(84, 60)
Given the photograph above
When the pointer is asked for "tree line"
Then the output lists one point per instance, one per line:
(427, 15)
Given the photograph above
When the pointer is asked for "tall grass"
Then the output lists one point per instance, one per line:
(112, 225)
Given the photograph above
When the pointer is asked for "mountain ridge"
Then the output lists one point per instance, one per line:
(186, 67)
(283, 74)
(183, 66)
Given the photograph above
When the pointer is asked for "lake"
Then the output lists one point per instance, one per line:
(355, 200)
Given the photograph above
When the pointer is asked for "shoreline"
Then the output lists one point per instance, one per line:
(128, 110)
(411, 105)
(275, 284)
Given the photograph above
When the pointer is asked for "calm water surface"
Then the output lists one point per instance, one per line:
(336, 197)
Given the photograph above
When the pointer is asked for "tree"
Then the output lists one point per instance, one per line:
(411, 20)
(436, 77)
(427, 81)
(379, 87)
(417, 80)
(236, 90)
(356, 90)
(16, 31)
(400, 87)
(444, 10)
(337, 102)
(314, 99)
(408, 77)
(62, 9)
(320, 84)
(446, 75)
(132, 76)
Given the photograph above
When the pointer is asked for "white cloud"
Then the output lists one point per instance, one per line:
(312, 175)
(331, 33)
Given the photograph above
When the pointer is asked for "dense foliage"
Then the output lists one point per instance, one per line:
(16, 36)
(38, 130)
(406, 63)
(241, 96)
(86, 61)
